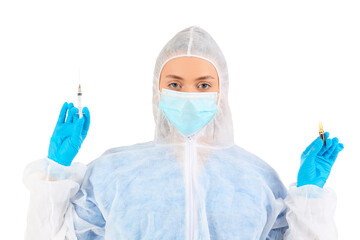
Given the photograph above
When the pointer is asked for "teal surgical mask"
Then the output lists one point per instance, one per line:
(188, 111)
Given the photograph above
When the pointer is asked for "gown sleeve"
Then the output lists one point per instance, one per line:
(307, 213)
(62, 205)
(310, 213)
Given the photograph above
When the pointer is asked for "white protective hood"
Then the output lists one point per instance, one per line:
(196, 42)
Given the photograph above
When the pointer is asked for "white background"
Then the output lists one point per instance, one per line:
(291, 64)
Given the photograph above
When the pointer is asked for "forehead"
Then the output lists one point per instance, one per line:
(189, 66)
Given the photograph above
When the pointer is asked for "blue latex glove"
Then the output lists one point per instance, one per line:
(69, 134)
(317, 160)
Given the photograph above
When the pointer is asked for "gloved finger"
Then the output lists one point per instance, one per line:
(316, 147)
(330, 150)
(86, 115)
(310, 146)
(62, 115)
(70, 116)
(327, 134)
(326, 147)
(76, 134)
(74, 112)
(70, 106)
(335, 153)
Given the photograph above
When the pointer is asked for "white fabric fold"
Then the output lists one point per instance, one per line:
(310, 213)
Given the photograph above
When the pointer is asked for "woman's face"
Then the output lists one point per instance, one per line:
(189, 74)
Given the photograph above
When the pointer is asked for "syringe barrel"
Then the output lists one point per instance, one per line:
(79, 106)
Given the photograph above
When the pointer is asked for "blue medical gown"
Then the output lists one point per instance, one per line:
(138, 192)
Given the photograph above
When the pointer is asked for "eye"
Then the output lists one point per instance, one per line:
(204, 86)
(174, 85)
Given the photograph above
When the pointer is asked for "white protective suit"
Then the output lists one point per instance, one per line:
(175, 187)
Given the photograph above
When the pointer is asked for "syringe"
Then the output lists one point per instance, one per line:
(79, 101)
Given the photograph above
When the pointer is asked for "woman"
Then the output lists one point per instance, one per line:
(190, 182)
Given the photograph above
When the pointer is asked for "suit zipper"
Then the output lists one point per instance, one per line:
(190, 188)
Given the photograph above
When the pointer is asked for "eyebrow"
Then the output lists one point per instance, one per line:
(199, 78)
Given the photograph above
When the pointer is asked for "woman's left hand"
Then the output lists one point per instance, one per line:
(317, 160)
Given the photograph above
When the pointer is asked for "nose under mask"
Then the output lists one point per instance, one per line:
(188, 111)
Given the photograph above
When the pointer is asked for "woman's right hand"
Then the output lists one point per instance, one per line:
(69, 134)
